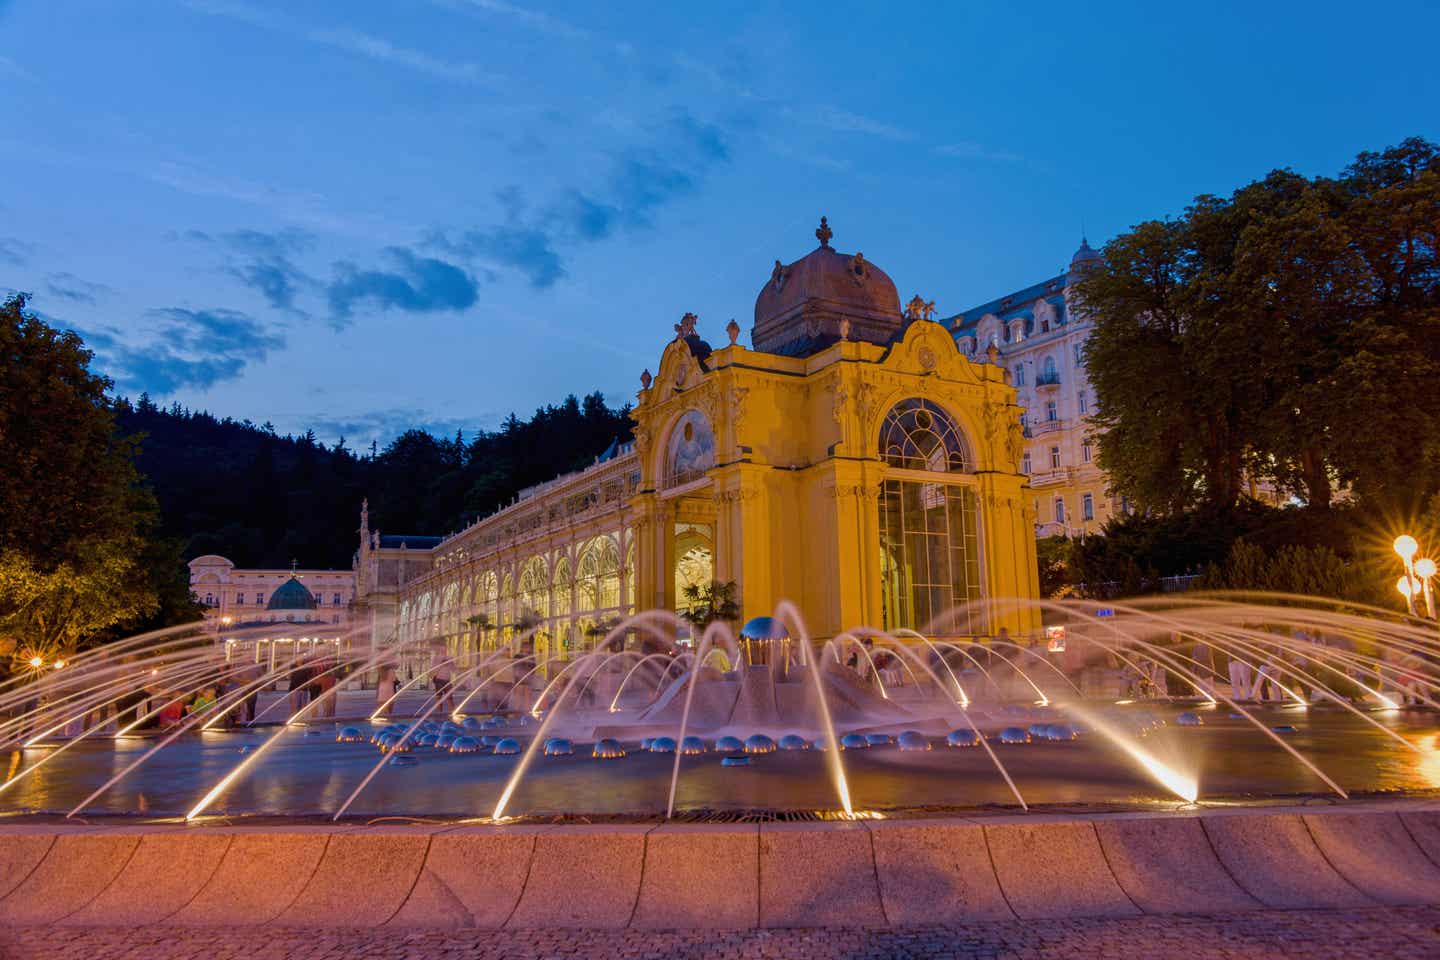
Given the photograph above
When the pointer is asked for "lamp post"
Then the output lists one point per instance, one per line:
(1425, 570)
(1406, 547)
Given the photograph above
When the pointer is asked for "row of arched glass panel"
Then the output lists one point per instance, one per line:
(475, 616)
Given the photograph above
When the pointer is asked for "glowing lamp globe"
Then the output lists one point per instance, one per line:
(36, 662)
(1404, 586)
(1425, 568)
(1406, 546)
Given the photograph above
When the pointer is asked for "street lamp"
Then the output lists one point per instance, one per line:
(1425, 570)
(1406, 547)
(37, 662)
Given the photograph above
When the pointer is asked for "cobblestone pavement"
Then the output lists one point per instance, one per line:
(1402, 933)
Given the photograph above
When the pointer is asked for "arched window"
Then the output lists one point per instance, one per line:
(1049, 374)
(929, 528)
(918, 435)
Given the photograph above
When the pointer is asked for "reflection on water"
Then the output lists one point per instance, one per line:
(308, 773)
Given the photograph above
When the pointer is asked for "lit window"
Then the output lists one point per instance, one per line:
(1085, 452)
(1059, 509)
(1087, 506)
(1049, 374)
(1054, 458)
(1052, 411)
(209, 600)
(1025, 462)
(319, 600)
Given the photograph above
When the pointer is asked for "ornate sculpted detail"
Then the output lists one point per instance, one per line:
(859, 491)
(642, 440)
(686, 326)
(645, 379)
(682, 373)
(737, 404)
(918, 309)
(709, 403)
(1014, 440)
(778, 276)
(844, 328)
(865, 403)
(992, 353)
(839, 398)
(859, 269)
(926, 357)
(732, 329)
(823, 233)
(736, 496)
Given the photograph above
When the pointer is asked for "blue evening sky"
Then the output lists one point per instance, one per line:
(360, 216)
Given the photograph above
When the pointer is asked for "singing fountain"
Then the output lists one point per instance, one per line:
(1152, 702)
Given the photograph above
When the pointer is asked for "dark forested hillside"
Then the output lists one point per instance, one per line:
(261, 499)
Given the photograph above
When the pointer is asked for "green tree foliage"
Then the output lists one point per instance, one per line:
(1309, 570)
(1287, 332)
(76, 524)
(706, 603)
(292, 497)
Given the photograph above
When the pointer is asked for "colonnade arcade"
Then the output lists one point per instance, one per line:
(569, 594)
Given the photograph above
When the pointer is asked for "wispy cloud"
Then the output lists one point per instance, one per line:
(844, 121)
(536, 20)
(264, 262)
(415, 284)
(184, 349)
(69, 287)
(639, 182)
(383, 426)
(969, 150)
(14, 252)
(347, 39)
(378, 48)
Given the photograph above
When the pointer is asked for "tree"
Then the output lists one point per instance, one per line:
(1288, 332)
(706, 603)
(76, 516)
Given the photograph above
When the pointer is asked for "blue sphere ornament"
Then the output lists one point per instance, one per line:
(507, 747)
(558, 747)
(854, 741)
(759, 743)
(729, 745)
(962, 738)
(764, 628)
(914, 741)
(691, 746)
(1014, 735)
(608, 748)
(794, 742)
(662, 745)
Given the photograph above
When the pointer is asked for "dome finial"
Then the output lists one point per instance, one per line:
(823, 233)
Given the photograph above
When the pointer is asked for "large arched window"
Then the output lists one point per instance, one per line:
(918, 435)
(929, 528)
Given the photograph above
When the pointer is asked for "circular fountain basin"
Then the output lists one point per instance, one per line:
(690, 746)
(1014, 735)
(759, 743)
(794, 742)
(465, 745)
(729, 745)
(608, 748)
(913, 741)
(662, 745)
(854, 741)
(558, 747)
(962, 738)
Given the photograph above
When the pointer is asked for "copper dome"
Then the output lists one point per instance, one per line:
(805, 305)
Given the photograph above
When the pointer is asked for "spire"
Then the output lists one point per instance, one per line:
(823, 233)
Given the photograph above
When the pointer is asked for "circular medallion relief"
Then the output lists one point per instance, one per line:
(927, 358)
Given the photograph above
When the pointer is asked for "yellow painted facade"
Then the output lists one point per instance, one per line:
(852, 461)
